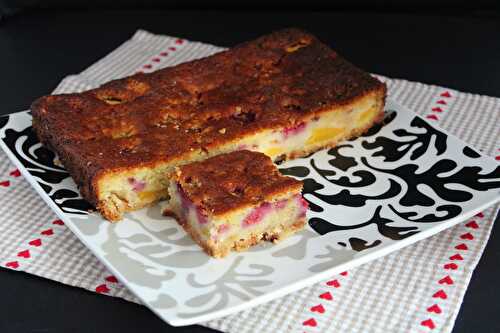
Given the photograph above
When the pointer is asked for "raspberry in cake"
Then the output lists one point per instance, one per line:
(235, 200)
(285, 94)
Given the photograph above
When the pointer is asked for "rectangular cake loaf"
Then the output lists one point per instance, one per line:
(285, 94)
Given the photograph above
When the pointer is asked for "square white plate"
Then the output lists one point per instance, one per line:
(400, 183)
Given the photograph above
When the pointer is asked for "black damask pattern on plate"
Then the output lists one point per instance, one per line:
(382, 223)
(405, 181)
(469, 152)
(469, 177)
(3, 121)
(394, 150)
(40, 163)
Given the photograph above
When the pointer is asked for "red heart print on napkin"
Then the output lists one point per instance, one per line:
(310, 322)
(12, 264)
(111, 279)
(472, 224)
(456, 257)
(451, 266)
(333, 283)
(429, 323)
(326, 296)
(36, 242)
(24, 254)
(47, 232)
(467, 236)
(15, 173)
(435, 308)
(447, 279)
(440, 294)
(102, 289)
(318, 308)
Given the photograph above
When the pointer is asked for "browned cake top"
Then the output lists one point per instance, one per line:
(228, 181)
(279, 79)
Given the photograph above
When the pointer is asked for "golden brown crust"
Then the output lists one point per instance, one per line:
(230, 181)
(114, 212)
(275, 81)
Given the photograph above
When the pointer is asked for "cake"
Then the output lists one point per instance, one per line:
(235, 200)
(285, 94)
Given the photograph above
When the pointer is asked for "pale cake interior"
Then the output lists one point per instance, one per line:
(242, 227)
(119, 192)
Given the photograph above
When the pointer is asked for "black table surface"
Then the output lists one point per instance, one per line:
(39, 48)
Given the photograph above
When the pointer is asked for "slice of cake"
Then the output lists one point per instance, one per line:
(235, 200)
(285, 94)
